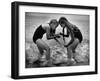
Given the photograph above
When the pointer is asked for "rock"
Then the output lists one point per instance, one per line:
(58, 55)
(82, 52)
(31, 54)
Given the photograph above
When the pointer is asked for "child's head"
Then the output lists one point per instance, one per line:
(62, 21)
(53, 23)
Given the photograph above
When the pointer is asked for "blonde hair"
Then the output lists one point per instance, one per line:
(53, 21)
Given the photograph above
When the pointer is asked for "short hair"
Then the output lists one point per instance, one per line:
(62, 20)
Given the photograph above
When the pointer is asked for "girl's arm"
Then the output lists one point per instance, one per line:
(48, 35)
(72, 36)
(67, 33)
(64, 34)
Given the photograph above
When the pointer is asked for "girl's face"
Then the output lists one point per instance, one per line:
(54, 25)
(62, 25)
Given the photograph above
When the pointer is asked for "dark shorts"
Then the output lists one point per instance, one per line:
(38, 34)
(79, 36)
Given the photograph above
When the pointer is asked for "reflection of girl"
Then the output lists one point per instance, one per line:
(49, 29)
(76, 36)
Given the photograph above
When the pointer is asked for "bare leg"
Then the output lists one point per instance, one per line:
(57, 41)
(43, 46)
(71, 48)
(69, 53)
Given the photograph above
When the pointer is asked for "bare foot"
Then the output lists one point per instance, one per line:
(71, 62)
(47, 63)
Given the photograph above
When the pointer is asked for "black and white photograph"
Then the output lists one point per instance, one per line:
(54, 40)
(50, 40)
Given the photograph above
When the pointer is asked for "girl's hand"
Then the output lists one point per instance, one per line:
(57, 36)
(61, 33)
(64, 35)
(66, 46)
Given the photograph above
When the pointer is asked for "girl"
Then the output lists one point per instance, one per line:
(49, 29)
(74, 32)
